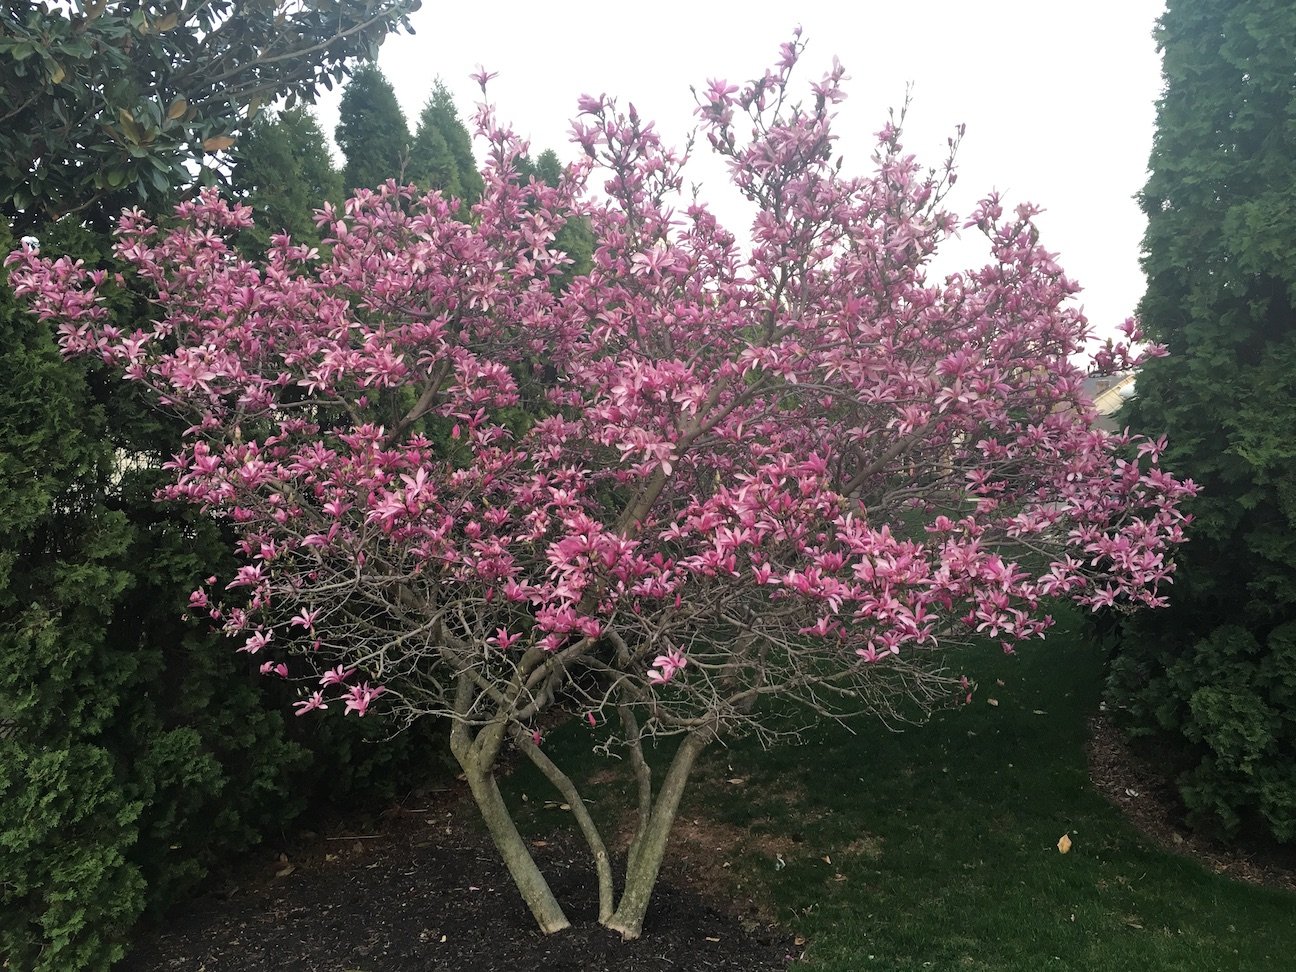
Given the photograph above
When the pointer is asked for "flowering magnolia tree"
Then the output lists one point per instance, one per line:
(698, 479)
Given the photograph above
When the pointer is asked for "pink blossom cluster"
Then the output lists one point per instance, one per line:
(699, 472)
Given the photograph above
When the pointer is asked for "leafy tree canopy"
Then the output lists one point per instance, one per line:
(120, 782)
(108, 103)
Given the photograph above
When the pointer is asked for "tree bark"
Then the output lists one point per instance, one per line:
(645, 863)
(477, 757)
(517, 858)
(564, 785)
(643, 779)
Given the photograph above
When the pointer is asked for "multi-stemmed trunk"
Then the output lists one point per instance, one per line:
(477, 756)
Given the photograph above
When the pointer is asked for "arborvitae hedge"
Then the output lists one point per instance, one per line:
(1214, 677)
(137, 749)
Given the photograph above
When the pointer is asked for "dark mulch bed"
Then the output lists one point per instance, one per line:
(426, 891)
(1150, 801)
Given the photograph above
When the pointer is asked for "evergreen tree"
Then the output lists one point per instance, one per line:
(576, 238)
(545, 168)
(441, 156)
(1215, 676)
(371, 132)
(137, 748)
(118, 787)
(283, 171)
(121, 777)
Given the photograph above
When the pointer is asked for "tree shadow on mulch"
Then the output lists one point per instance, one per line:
(426, 891)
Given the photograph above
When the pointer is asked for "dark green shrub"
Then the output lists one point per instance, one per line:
(138, 750)
(1213, 676)
(65, 828)
(1232, 700)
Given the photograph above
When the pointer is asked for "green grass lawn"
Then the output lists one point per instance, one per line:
(936, 847)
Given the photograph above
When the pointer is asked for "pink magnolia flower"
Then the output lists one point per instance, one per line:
(257, 641)
(360, 697)
(305, 618)
(870, 653)
(336, 676)
(503, 640)
(316, 701)
(665, 667)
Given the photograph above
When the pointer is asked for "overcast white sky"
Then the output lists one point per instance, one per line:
(1058, 97)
